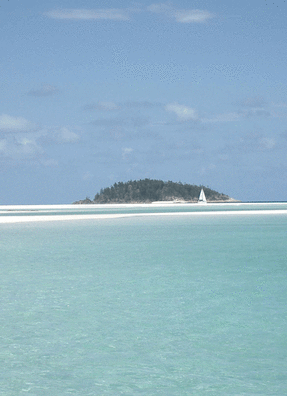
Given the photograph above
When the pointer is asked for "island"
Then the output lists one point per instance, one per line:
(154, 191)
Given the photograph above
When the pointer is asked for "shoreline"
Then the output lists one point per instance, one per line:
(42, 218)
(131, 205)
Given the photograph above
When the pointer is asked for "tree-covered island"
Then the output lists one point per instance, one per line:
(147, 191)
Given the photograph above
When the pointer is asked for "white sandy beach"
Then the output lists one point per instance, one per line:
(42, 209)
(157, 204)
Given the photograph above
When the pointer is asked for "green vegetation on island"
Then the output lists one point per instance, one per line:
(147, 191)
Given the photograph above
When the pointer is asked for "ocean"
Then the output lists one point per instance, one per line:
(152, 304)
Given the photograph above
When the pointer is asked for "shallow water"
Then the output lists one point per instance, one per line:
(144, 306)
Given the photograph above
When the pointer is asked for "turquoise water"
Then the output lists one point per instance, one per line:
(144, 306)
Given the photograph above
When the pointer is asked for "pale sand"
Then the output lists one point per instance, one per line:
(36, 218)
(164, 204)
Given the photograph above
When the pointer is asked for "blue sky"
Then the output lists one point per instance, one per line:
(96, 92)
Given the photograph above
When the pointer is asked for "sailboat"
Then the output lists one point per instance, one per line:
(202, 198)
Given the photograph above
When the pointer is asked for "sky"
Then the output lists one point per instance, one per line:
(97, 92)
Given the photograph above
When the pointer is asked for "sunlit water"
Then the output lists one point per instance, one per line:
(144, 306)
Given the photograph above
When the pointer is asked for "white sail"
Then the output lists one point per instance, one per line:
(202, 198)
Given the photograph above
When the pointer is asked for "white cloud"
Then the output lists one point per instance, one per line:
(49, 162)
(255, 112)
(89, 14)
(207, 169)
(103, 106)
(224, 157)
(57, 135)
(256, 101)
(227, 117)
(192, 16)
(3, 145)
(251, 143)
(64, 135)
(184, 113)
(19, 148)
(45, 90)
(87, 176)
(266, 143)
(181, 16)
(108, 106)
(126, 152)
(160, 8)
(27, 146)
(14, 124)
(116, 14)
(24, 141)
(284, 105)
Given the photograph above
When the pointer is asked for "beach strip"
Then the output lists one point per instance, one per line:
(74, 217)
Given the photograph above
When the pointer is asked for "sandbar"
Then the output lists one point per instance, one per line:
(44, 218)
